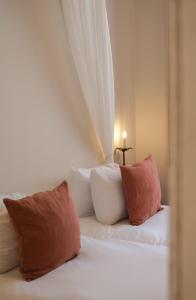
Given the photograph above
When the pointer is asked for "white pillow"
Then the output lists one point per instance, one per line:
(80, 191)
(107, 195)
(9, 252)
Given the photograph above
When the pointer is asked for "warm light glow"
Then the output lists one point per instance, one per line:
(116, 135)
(124, 134)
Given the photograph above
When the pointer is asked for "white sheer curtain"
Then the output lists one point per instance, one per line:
(88, 32)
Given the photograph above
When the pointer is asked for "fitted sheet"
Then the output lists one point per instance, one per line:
(154, 231)
(104, 269)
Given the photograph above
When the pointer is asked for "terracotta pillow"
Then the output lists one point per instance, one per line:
(142, 190)
(47, 228)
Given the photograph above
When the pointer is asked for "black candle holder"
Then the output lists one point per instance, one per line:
(123, 150)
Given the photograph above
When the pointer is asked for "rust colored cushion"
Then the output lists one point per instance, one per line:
(142, 190)
(48, 230)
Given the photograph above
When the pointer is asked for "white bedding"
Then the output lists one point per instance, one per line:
(104, 270)
(154, 231)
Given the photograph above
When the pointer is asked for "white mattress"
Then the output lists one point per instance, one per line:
(154, 231)
(104, 270)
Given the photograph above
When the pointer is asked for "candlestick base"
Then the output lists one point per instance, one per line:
(123, 150)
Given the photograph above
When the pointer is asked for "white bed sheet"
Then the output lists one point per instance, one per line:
(104, 270)
(154, 231)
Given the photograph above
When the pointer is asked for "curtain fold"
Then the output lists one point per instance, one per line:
(88, 33)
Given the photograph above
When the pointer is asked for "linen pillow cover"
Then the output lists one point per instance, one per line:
(107, 195)
(142, 190)
(80, 189)
(47, 228)
(9, 252)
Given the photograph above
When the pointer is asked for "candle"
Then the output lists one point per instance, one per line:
(124, 136)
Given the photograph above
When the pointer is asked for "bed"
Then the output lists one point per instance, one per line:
(118, 261)
(104, 270)
(154, 231)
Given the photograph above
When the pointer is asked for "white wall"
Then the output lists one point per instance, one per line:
(140, 54)
(151, 84)
(44, 126)
(121, 21)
